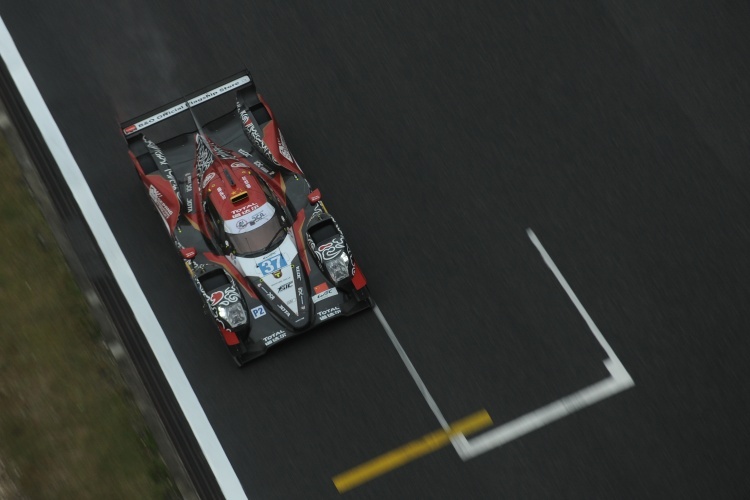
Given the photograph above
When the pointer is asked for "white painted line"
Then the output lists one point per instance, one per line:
(412, 371)
(543, 416)
(618, 372)
(196, 417)
(590, 322)
(618, 381)
(458, 440)
(461, 445)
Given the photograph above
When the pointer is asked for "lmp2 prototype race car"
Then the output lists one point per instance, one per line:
(264, 253)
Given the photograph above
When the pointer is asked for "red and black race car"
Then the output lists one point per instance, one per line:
(260, 246)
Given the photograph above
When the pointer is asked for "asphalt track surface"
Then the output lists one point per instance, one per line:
(438, 132)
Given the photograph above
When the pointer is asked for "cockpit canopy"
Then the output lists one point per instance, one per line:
(240, 209)
(254, 231)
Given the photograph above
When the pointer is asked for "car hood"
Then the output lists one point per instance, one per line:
(279, 279)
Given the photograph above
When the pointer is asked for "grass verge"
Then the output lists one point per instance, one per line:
(68, 426)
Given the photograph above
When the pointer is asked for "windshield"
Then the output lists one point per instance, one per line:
(255, 231)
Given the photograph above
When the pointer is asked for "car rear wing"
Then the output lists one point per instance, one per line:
(235, 82)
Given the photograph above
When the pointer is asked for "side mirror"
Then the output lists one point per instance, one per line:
(188, 253)
(314, 196)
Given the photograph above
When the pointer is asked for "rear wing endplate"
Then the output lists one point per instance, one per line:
(234, 82)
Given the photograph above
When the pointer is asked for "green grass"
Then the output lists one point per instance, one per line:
(68, 426)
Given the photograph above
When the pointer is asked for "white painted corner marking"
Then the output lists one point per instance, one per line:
(618, 381)
(188, 401)
(563, 282)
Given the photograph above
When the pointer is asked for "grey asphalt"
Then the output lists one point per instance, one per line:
(438, 132)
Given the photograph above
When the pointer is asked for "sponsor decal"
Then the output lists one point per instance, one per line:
(208, 179)
(272, 264)
(283, 287)
(262, 167)
(331, 292)
(299, 272)
(257, 312)
(221, 193)
(156, 151)
(189, 192)
(283, 149)
(156, 198)
(274, 337)
(249, 219)
(156, 118)
(173, 182)
(238, 212)
(329, 313)
(243, 153)
(184, 105)
(330, 250)
(277, 274)
(243, 224)
(284, 310)
(257, 140)
(219, 90)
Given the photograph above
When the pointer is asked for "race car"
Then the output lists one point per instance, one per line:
(264, 253)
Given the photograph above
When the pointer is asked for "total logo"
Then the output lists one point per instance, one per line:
(329, 313)
(274, 337)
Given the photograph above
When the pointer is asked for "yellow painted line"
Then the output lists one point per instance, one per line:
(409, 452)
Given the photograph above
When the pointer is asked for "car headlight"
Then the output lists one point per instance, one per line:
(338, 267)
(234, 314)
